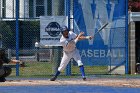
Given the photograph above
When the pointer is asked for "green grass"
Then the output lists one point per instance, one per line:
(45, 69)
(34, 69)
(90, 70)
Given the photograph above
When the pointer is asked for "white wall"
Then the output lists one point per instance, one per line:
(0, 8)
(10, 9)
(24, 9)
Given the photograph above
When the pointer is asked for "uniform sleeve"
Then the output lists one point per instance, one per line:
(73, 34)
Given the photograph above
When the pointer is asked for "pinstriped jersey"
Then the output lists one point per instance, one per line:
(68, 43)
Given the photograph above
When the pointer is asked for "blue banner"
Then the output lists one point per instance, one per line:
(108, 46)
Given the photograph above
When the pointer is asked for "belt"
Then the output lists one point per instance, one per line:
(69, 51)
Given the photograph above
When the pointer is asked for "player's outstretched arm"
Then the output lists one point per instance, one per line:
(78, 37)
(74, 41)
(15, 61)
(82, 37)
(86, 37)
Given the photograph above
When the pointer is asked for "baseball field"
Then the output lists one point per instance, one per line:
(35, 76)
(94, 84)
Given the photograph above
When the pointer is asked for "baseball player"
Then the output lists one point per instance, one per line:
(68, 41)
(4, 70)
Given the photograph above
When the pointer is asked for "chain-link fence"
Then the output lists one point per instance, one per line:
(39, 62)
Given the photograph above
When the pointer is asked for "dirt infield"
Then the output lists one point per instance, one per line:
(91, 82)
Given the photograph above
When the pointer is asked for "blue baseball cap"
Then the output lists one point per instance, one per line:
(64, 28)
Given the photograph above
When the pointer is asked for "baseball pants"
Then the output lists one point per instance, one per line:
(66, 58)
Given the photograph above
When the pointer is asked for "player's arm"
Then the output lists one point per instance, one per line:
(15, 61)
(82, 37)
(85, 37)
(68, 43)
(78, 37)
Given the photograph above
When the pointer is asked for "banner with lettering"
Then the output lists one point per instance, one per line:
(109, 45)
(50, 30)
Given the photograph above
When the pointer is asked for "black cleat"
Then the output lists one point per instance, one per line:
(53, 78)
(84, 78)
(2, 79)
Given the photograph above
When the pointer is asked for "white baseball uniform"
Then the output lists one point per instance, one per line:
(69, 51)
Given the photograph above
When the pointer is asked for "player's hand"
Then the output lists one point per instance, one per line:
(81, 34)
(90, 37)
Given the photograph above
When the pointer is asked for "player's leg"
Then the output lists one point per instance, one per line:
(77, 58)
(2, 79)
(4, 72)
(82, 72)
(65, 60)
(8, 71)
(55, 76)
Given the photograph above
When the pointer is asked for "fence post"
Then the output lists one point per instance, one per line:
(68, 68)
(17, 37)
(56, 52)
(126, 40)
(9, 53)
(37, 51)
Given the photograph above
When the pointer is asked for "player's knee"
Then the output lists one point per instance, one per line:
(61, 69)
(81, 66)
(80, 63)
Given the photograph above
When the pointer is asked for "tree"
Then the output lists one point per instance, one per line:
(134, 5)
(7, 35)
